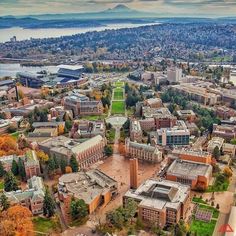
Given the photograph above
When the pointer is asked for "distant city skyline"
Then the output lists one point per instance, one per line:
(162, 7)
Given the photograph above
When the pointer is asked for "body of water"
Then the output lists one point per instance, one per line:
(24, 34)
(11, 69)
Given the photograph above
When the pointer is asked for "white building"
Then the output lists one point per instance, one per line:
(174, 74)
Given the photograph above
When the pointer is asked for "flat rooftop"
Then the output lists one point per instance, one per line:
(86, 185)
(189, 169)
(160, 194)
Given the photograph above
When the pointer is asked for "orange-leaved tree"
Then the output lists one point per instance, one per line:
(17, 220)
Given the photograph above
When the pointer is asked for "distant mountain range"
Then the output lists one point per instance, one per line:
(118, 12)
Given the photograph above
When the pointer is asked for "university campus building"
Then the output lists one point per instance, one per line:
(160, 202)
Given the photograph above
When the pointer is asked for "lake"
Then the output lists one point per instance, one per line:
(11, 69)
(24, 34)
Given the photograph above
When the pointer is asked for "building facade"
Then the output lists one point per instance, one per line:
(160, 203)
(142, 152)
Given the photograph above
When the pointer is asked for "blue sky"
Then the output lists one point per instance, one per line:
(168, 7)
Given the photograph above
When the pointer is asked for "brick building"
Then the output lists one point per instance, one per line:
(31, 198)
(142, 152)
(195, 174)
(87, 152)
(136, 132)
(81, 105)
(160, 203)
(192, 155)
(95, 187)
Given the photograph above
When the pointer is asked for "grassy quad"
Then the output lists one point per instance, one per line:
(203, 228)
(119, 84)
(45, 225)
(118, 107)
(118, 94)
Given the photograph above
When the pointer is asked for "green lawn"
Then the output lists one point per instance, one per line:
(118, 107)
(118, 94)
(45, 225)
(119, 84)
(202, 228)
(198, 200)
(15, 135)
(93, 118)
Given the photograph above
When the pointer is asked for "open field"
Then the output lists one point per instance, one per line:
(119, 84)
(118, 94)
(118, 107)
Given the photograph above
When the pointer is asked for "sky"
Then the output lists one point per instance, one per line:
(162, 7)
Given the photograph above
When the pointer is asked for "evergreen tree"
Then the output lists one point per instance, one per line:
(63, 165)
(56, 162)
(108, 150)
(74, 164)
(21, 169)
(2, 171)
(48, 204)
(216, 152)
(14, 168)
(51, 165)
(10, 182)
(4, 203)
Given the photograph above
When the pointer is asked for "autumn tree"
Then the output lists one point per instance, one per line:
(228, 172)
(48, 204)
(10, 182)
(8, 145)
(4, 203)
(42, 156)
(73, 164)
(68, 170)
(17, 220)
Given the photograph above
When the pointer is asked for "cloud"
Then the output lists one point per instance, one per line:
(179, 7)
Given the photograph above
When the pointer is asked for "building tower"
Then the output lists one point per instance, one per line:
(133, 173)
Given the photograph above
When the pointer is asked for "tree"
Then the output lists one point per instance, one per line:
(68, 170)
(74, 164)
(42, 156)
(48, 204)
(63, 165)
(68, 125)
(217, 206)
(10, 182)
(116, 218)
(108, 150)
(227, 172)
(14, 168)
(4, 203)
(17, 220)
(51, 165)
(56, 162)
(216, 152)
(78, 209)
(130, 209)
(21, 169)
(2, 171)
(233, 141)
